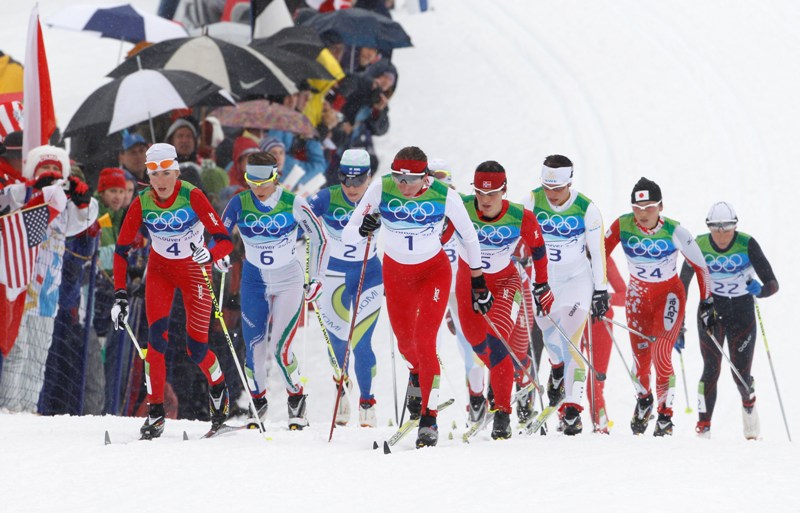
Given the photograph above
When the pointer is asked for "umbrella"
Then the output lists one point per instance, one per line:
(297, 68)
(265, 115)
(238, 69)
(142, 95)
(123, 22)
(230, 31)
(303, 41)
(359, 27)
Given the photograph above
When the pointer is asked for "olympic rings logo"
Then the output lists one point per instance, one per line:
(167, 219)
(341, 214)
(557, 223)
(724, 263)
(271, 225)
(646, 246)
(496, 235)
(416, 211)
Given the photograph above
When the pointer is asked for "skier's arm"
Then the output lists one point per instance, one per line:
(687, 273)
(532, 237)
(369, 203)
(769, 284)
(222, 241)
(612, 237)
(127, 234)
(617, 283)
(685, 242)
(459, 218)
(230, 216)
(595, 244)
(312, 227)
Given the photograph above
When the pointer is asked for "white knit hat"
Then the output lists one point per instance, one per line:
(162, 151)
(721, 212)
(46, 154)
(354, 162)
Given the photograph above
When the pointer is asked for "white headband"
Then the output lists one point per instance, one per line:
(556, 175)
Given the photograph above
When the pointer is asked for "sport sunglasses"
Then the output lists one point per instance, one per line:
(408, 178)
(155, 166)
(259, 183)
(645, 207)
(353, 181)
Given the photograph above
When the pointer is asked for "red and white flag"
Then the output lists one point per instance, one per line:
(22, 232)
(39, 121)
(10, 118)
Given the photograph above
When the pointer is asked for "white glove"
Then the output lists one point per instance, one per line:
(201, 255)
(313, 290)
(223, 265)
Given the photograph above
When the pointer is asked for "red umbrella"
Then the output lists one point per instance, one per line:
(266, 116)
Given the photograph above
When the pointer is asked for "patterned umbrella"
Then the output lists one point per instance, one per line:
(265, 115)
(124, 22)
(144, 95)
(239, 69)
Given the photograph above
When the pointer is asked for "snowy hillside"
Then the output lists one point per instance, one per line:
(701, 97)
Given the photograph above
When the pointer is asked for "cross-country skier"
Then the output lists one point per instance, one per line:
(736, 264)
(500, 225)
(175, 214)
(573, 229)
(334, 206)
(412, 206)
(656, 299)
(273, 278)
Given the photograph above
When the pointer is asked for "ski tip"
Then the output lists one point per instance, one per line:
(185, 436)
(455, 425)
(689, 410)
(374, 445)
(391, 424)
(450, 436)
(107, 439)
(386, 449)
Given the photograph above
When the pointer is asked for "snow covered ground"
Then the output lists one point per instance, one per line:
(699, 96)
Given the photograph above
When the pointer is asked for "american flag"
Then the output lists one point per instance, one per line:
(22, 232)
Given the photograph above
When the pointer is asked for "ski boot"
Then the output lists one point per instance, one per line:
(750, 422)
(641, 414)
(703, 429)
(501, 429)
(476, 408)
(601, 423)
(343, 410)
(262, 405)
(366, 413)
(413, 397)
(428, 434)
(297, 412)
(555, 385)
(572, 420)
(218, 404)
(154, 423)
(525, 407)
(663, 425)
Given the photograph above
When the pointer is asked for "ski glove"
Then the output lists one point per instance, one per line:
(680, 343)
(370, 223)
(481, 295)
(79, 192)
(754, 287)
(46, 179)
(201, 255)
(119, 312)
(313, 290)
(223, 265)
(708, 316)
(599, 303)
(543, 297)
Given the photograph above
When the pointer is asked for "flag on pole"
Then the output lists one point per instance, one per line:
(268, 17)
(22, 232)
(39, 121)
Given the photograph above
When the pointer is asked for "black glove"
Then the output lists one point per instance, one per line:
(119, 312)
(370, 223)
(481, 296)
(708, 316)
(79, 191)
(45, 180)
(600, 306)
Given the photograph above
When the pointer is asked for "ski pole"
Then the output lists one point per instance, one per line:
(343, 374)
(142, 352)
(592, 398)
(218, 315)
(599, 375)
(635, 380)
(628, 328)
(523, 368)
(685, 385)
(524, 277)
(772, 368)
(394, 377)
(727, 359)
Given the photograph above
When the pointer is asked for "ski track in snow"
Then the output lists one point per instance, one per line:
(700, 97)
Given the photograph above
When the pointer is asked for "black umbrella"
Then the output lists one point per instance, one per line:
(359, 27)
(303, 41)
(239, 69)
(142, 95)
(296, 67)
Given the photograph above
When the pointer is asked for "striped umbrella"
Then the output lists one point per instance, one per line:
(123, 22)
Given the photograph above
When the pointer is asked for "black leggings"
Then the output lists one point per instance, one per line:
(736, 322)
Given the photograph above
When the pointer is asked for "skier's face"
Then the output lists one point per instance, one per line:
(489, 203)
(355, 192)
(722, 235)
(262, 190)
(163, 182)
(647, 213)
(557, 195)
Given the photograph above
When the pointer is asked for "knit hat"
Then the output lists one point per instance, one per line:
(180, 123)
(354, 162)
(46, 154)
(111, 178)
(160, 152)
(645, 190)
(214, 179)
(13, 145)
(721, 212)
(268, 143)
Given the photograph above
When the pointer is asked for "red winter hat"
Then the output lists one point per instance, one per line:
(110, 178)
